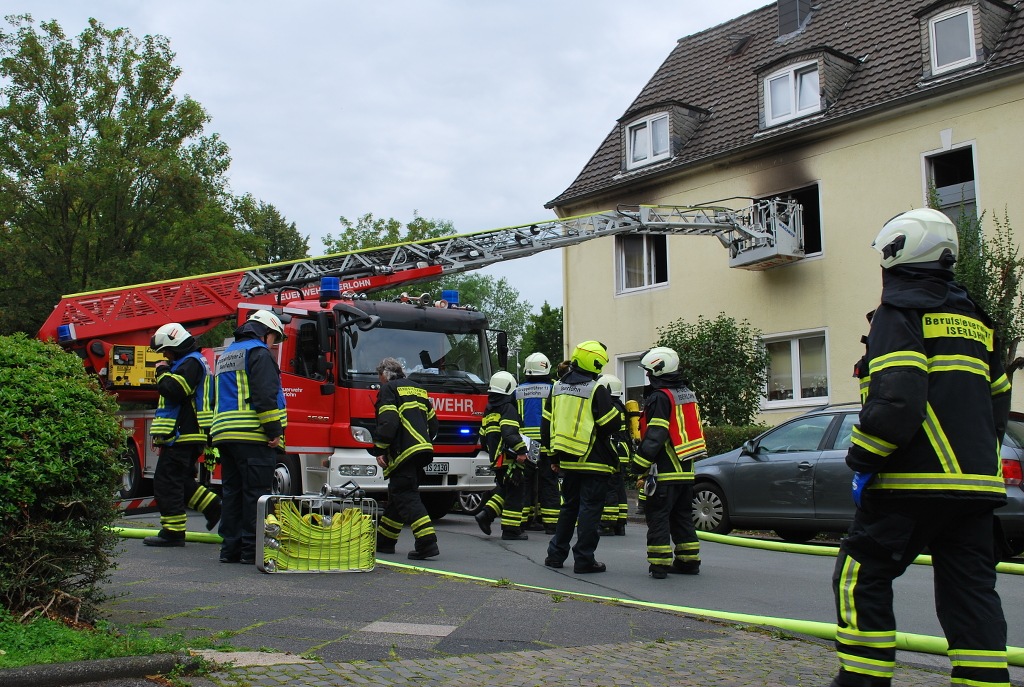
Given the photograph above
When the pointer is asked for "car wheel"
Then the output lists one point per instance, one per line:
(131, 479)
(472, 502)
(710, 511)
(287, 480)
(796, 536)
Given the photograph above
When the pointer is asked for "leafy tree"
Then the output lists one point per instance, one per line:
(544, 334)
(991, 269)
(106, 177)
(725, 363)
(370, 232)
(60, 442)
(271, 238)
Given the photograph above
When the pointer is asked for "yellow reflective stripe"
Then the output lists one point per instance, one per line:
(977, 658)
(866, 666)
(958, 363)
(899, 359)
(884, 639)
(968, 682)
(1001, 385)
(658, 422)
(607, 417)
(871, 443)
(847, 583)
(935, 481)
(940, 444)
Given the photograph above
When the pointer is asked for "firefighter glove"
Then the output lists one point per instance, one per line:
(161, 367)
(859, 484)
(211, 457)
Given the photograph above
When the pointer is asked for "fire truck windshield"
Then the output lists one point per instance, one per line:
(428, 357)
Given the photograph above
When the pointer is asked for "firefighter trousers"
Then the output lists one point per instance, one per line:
(582, 500)
(669, 515)
(507, 500)
(175, 488)
(247, 473)
(405, 508)
(883, 540)
(548, 492)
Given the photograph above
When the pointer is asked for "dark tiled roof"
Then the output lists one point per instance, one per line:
(884, 35)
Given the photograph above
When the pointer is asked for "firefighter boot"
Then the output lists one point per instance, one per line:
(514, 535)
(165, 538)
(680, 567)
(658, 572)
(424, 550)
(385, 545)
(484, 519)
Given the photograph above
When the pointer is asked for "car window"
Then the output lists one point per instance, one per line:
(1014, 436)
(844, 438)
(801, 434)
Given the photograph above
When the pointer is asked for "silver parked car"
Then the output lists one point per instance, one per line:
(794, 479)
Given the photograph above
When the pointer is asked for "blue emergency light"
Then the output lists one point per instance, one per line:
(330, 288)
(451, 296)
(465, 430)
(66, 332)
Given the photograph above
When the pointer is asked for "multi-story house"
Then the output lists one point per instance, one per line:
(859, 110)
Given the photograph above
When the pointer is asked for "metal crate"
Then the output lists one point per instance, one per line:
(316, 533)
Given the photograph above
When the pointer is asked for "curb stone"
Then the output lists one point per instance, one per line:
(78, 672)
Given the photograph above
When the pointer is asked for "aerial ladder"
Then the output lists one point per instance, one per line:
(764, 234)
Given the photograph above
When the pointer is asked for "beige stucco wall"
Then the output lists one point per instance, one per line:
(865, 176)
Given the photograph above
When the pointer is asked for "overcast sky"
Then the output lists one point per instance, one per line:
(473, 111)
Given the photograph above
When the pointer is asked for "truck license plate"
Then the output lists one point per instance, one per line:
(436, 468)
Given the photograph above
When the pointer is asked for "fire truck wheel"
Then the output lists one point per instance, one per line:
(438, 503)
(132, 483)
(287, 480)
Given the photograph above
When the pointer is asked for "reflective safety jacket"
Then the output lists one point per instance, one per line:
(184, 411)
(406, 424)
(250, 402)
(673, 436)
(620, 438)
(581, 424)
(935, 395)
(500, 431)
(533, 401)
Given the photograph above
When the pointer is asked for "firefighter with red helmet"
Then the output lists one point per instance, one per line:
(925, 456)
(673, 438)
(578, 433)
(179, 431)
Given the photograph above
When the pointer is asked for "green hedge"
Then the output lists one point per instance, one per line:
(60, 442)
(726, 437)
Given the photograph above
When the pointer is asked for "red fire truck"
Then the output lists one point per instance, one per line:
(336, 338)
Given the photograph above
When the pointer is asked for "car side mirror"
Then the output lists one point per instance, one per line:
(749, 448)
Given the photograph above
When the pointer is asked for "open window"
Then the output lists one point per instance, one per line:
(950, 180)
(807, 196)
(641, 262)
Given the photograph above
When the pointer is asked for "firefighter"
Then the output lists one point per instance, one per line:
(248, 429)
(673, 439)
(406, 426)
(179, 431)
(533, 397)
(616, 505)
(579, 432)
(501, 434)
(925, 456)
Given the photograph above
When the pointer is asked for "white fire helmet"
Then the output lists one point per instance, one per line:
(537, 365)
(660, 360)
(923, 237)
(613, 383)
(502, 383)
(270, 321)
(171, 337)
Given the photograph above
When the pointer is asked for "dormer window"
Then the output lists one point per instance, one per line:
(647, 140)
(791, 93)
(952, 40)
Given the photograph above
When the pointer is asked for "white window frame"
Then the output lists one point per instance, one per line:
(647, 124)
(628, 369)
(797, 398)
(649, 268)
(933, 44)
(950, 206)
(793, 74)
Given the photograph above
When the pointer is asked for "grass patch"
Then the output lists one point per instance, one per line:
(43, 640)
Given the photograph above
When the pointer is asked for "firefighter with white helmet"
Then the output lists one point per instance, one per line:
(925, 461)
(533, 396)
(672, 439)
(248, 429)
(179, 431)
(616, 505)
(501, 434)
(579, 431)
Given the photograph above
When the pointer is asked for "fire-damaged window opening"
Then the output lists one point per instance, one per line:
(641, 262)
(808, 199)
(951, 175)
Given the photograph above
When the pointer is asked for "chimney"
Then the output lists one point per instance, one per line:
(792, 15)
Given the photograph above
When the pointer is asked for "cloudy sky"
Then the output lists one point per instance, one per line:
(473, 111)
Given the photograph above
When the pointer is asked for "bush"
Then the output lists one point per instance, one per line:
(60, 442)
(726, 437)
(725, 363)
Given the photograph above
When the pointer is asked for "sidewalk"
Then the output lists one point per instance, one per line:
(400, 626)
